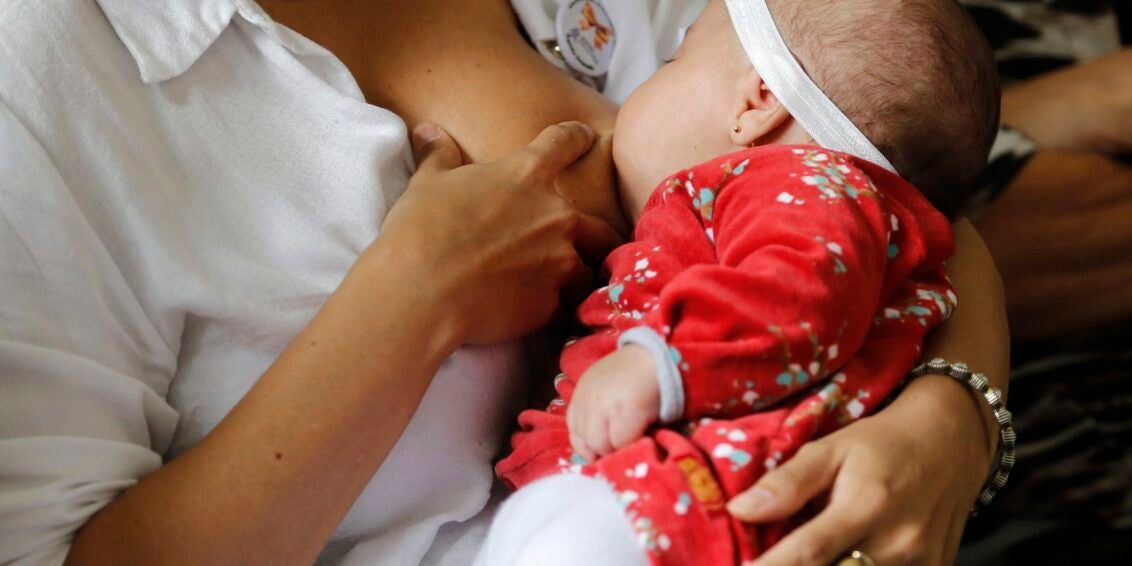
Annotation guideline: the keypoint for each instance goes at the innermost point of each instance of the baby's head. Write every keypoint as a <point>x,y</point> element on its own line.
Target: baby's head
<point>916,77</point>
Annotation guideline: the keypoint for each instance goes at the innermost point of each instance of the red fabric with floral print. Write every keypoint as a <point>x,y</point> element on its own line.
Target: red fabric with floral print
<point>794,286</point>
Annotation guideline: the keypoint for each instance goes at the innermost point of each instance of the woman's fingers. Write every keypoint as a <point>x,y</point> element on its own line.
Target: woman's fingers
<point>504,235</point>
<point>594,238</point>
<point>821,541</point>
<point>578,284</point>
<point>784,491</point>
<point>555,149</point>
<point>434,150</point>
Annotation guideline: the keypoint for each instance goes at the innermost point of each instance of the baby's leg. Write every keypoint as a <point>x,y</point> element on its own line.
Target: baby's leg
<point>562,520</point>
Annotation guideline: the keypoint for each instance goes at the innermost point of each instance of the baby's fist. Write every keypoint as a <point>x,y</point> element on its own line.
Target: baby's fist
<point>615,402</point>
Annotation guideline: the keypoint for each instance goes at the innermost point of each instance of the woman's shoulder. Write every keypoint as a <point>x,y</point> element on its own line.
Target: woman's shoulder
<point>35,35</point>
<point>57,55</point>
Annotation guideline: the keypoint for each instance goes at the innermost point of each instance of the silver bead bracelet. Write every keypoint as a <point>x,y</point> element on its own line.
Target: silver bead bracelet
<point>1000,472</point>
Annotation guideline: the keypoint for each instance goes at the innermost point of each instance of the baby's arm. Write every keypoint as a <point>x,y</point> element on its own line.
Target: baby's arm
<point>798,283</point>
<point>616,400</point>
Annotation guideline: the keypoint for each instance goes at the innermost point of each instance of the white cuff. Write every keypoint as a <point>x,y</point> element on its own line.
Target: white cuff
<point>668,376</point>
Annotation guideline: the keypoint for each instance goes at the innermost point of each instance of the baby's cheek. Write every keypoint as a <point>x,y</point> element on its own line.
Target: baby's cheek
<point>634,182</point>
<point>665,127</point>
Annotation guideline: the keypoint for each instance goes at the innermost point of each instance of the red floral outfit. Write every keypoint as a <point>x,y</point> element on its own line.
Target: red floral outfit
<point>793,287</point>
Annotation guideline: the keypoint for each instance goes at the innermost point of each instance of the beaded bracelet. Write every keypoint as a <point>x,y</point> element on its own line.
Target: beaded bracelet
<point>1000,472</point>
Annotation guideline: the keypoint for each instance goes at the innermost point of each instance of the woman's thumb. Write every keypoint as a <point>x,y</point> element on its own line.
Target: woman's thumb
<point>784,491</point>
<point>434,149</point>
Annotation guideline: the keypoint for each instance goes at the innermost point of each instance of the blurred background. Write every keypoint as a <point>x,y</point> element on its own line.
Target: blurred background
<point>1056,210</point>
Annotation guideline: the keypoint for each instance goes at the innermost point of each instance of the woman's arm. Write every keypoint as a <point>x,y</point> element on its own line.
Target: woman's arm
<point>901,483</point>
<point>274,479</point>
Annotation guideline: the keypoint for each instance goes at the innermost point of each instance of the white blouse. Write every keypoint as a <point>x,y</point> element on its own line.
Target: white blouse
<point>182,184</point>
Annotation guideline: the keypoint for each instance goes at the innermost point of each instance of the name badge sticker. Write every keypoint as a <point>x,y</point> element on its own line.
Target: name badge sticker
<point>586,36</point>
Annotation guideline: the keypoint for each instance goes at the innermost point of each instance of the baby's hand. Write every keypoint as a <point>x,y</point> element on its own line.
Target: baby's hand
<point>615,402</point>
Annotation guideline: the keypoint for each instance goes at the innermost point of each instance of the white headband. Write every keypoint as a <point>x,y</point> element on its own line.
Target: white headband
<point>789,82</point>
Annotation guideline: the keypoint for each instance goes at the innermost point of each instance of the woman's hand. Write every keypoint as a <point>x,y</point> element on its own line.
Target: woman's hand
<point>495,241</point>
<point>900,483</point>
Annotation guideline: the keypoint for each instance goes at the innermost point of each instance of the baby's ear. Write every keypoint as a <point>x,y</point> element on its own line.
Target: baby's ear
<point>760,114</point>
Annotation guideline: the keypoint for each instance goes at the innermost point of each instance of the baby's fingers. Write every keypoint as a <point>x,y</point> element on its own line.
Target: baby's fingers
<point>574,419</point>
<point>595,433</point>
<point>580,447</point>
<point>625,429</point>
<point>587,426</point>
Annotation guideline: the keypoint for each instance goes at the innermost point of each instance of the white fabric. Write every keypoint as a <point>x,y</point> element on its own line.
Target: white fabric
<point>668,376</point>
<point>161,242</point>
<point>648,31</point>
<point>785,77</point>
<point>562,520</point>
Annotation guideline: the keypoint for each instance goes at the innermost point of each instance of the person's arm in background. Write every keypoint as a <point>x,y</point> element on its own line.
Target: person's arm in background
<point>1060,231</point>
<point>1084,108</point>
<point>1062,236</point>
<point>900,483</point>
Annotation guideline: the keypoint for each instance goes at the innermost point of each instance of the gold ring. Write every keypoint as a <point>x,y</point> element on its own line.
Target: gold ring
<point>856,558</point>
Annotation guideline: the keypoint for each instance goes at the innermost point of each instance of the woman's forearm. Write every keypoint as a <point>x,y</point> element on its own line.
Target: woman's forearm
<point>275,478</point>
<point>977,333</point>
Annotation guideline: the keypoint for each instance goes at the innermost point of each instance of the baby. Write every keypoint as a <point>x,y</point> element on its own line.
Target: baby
<point>773,293</point>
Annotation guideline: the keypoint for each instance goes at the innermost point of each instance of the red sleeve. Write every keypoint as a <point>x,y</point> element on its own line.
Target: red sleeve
<point>801,270</point>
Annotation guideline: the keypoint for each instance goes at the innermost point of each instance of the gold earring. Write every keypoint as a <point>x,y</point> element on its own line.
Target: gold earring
<point>737,129</point>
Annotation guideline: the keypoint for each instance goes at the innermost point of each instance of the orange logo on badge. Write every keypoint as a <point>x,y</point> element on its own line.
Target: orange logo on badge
<point>602,33</point>
<point>703,485</point>
<point>587,36</point>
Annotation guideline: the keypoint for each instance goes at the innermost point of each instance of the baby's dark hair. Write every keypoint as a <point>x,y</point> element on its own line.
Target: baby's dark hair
<point>916,76</point>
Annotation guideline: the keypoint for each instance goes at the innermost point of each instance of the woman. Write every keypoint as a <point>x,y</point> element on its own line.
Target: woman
<point>207,235</point>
